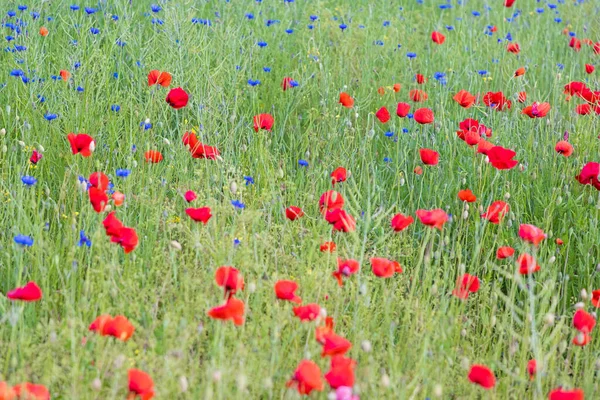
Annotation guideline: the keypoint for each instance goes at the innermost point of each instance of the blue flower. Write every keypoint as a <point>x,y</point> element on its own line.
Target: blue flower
<point>387,159</point>
<point>157,21</point>
<point>410,115</point>
<point>145,125</point>
<point>558,20</point>
<point>253,82</point>
<point>313,18</point>
<point>261,44</point>
<point>404,130</point>
<point>250,16</point>
<point>90,10</point>
<point>476,13</point>
<point>115,17</point>
<point>28,180</point>
<point>539,10</point>
<point>445,6</point>
<point>551,6</point>
<point>236,242</point>
<point>249,180</point>
<point>24,240</point>
<point>17,72</point>
<point>94,31</point>
<point>115,75</point>
<point>389,134</point>
<point>74,7</point>
<point>155,8</point>
<point>411,55</point>
<point>22,7</point>
<point>238,204</point>
<point>303,163</point>
<point>267,69</point>
<point>289,31</point>
<point>83,240</point>
<point>11,13</point>
<point>50,116</point>
<point>560,66</point>
<point>310,26</point>
<point>80,89</point>
<point>379,42</point>
<point>115,108</point>
<point>386,23</point>
<point>123,173</point>
<point>343,26</point>
<point>9,38</point>
<point>482,72</point>
<point>572,34</point>
<point>77,65</point>
<point>41,98</point>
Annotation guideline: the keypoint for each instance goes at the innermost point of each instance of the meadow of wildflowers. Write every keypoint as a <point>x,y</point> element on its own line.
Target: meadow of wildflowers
<point>276,199</point>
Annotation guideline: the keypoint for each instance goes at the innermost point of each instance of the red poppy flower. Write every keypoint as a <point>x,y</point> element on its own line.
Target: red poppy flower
<point>232,310</point>
<point>531,234</point>
<point>263,121</point>
<point>30,292</point>
<point>36,156</point>
<point>383,115</point>
<point>190,196</point>
<point>496,100</point>
<point>467,195</point>
<point>435,218</point>
<point>465,285</point>
<point>527,264</point>
<point>308,312</point>
<point>338,175</point>
<point>536,110</point>
<point>293,213</point>
<point>482,376</point>
<point>583,109</point>
<point>582,339</point>
<point>560,394</point>
<point>335,345</point>
<point>596,298</point>
<point>341,220</point>
<point>589,175</point>
<point>99,180</point>
<point>384,268</point>
<point>429,157</point>
<point>99,323</point>
<point>324,330</point>
<point>464,99</point>
<point>230,279</point>
<point>127,238</point>
<point>198,149</point>
<point>140,384</point>
<point>345,268</point>
<point>327,247</point>
<point>420,79</point>
<point>519,72</point>
<point>402,110</point>
<point>563,147</point>
<point>513,48</point>
<point>81,143</point>
<point>589,68</point>
<point>508,3</point>
<point>400,222</point>
<point>583,321</point>
<point>202,214</point>
<point>98,199</point>
<point>177,98</point>
<point>118,327</point>
<point>346,100</point>
<point>112,225</point>
<point>341,372</point>
<point>396,87</point>
<point>423,116</point>
<point>483,146</point>
<point>155,77</point>
<point>522,97</point>
<point>531,368</point>
<point>286,290</point>
<point>575,44</point>
<point>306,378</point>
<point>44,31</point>
<point>381,90</point>
<point>437,37</point>
<point>153,156</point>
<point>501,158</point>
<point>30,391</point>
<point>6,392</point>
<point>417,95</point>
<point>64,75</point>
<point>331,200</point>
<point>418,170</point>
<point>504,252</point>
<point>496,212</point>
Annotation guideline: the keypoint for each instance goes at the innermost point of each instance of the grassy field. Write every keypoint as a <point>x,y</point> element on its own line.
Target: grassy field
<point>412,338</point>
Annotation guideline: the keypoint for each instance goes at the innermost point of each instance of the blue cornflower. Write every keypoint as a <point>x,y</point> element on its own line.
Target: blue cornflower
<point>155,8</point>
<point>303,163</point>
<point>389,134</point>
<point>90,10</point>
<point>123,173</point>
<point>50,117</point>
<point>253,82</point>
<point>310,26</point>
<point>74,7</point>
<point>387,159</point>
<point>146,125</point>
<point>289,31</point>
<point>386,23</point>
<point>267,69</point>
<point>80,89</point>
<point>23,240</point>
<point>22,7</point>
<point>94,31</point>
<point>411,54</point>
<point>343,26</point>
<point>115,108</point>
<point>236,242</point>
<point>11,13</point>
<point>250,16</point>
<point>83,240</point>
<point>17,72</point>
<point>238,204</point>
<point>261,44</point>
<point>249,180</point>
<point>28,180</point>
<point>482,72</point>
<point>476,13</point>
